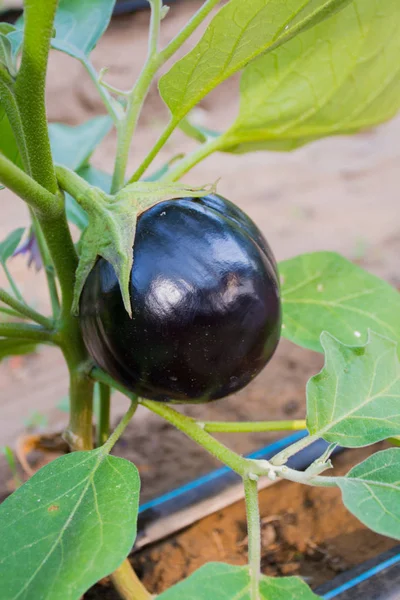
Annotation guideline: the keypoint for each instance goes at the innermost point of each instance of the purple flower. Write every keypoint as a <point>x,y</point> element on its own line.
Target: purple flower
<point>31,248</point>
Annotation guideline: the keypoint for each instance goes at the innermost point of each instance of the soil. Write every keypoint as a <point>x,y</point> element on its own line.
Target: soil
<point>337,194</point>
<point>305,531</point>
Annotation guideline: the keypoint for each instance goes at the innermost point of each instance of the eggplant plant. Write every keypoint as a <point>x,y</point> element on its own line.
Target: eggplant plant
<point>172,294</point>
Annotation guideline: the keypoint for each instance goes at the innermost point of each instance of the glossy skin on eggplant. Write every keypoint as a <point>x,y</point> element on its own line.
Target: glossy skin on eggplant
<point>205,302</point>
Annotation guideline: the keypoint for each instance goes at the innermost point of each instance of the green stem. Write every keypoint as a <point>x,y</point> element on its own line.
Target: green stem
<point>282,457</point>
<point>127,583</point>
<point>25,310</point>
<point>12,283</point>
<point>79,433</point>
<point>254,535</point>
<point>164,137</point>
<point>116,434</point>
<point>104,94</point>
<point>71,182</point>
<point>249,426</point>
<point>25,331</point>
<point>197,434</point>
<point>48,265</point>
<point>192,159</point>
<point>188,29</point>
<point>126,128</point>
<point>103,420</point>
<point>10,312</point>
<point>30,88</point>
<point>34,194</point>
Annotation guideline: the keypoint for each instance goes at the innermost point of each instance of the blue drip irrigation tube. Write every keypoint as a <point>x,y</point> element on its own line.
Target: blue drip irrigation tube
<point>376,579</point>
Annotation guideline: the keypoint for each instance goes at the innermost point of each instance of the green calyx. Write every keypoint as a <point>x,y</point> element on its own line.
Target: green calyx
<point>110,233</point>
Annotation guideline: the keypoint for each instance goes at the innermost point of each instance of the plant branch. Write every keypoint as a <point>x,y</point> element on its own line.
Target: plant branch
<point>30,89</point>
<point>195,157</point>
<point>282,457</point>
<point>34,194</point>
<point>253,534</point>
<point>106,97</point>
<point>136,98</point>
<point>127,583</point>
<point>164,137</point>
<point>12,283</point>
<point>25,310</point>
<point>251,426</point>
<point>116,434</point>
<point>245,467</point>
<point>25,331</point>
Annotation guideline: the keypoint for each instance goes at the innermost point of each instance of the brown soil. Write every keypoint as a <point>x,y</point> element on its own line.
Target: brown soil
<point>305,531</point>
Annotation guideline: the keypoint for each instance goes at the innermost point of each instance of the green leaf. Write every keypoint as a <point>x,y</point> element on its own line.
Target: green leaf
<point>241,31</point>
<point>227,582</point>
<point>112,226</point>
<point>71,524</point>
<point>6,56</point>
<point>371,491</point>
<point>338,77</point>
<point>10,244</point>
<point>73,146</point>
<point>13,347</point>
<point>324,291</point>
<point>355,400</point>
<point>79,25</point>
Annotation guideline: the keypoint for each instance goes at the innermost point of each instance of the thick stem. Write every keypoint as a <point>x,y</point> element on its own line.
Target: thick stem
<point>137,97</point>
<point>79,434</point>
<point>30,88</point>
<point>103,417</point>
<point>47,264</point>
<point>253,535</point>
<point>25,331</point>
<point>34,194</point>
<point>25,310</point>
<point>127,583</point>
<point>249,426</point>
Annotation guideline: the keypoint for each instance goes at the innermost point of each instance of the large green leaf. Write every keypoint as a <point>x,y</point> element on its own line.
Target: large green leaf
<point>241,31</point>
<point>341,76</point>
<point>67,527</point>
<point>355,400</point>
<point>323,291</point>
<point>10,244</point>
<point>72,146</point>
<point>371,491</point>
<point>79,25</point>
<point>227,582</point>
